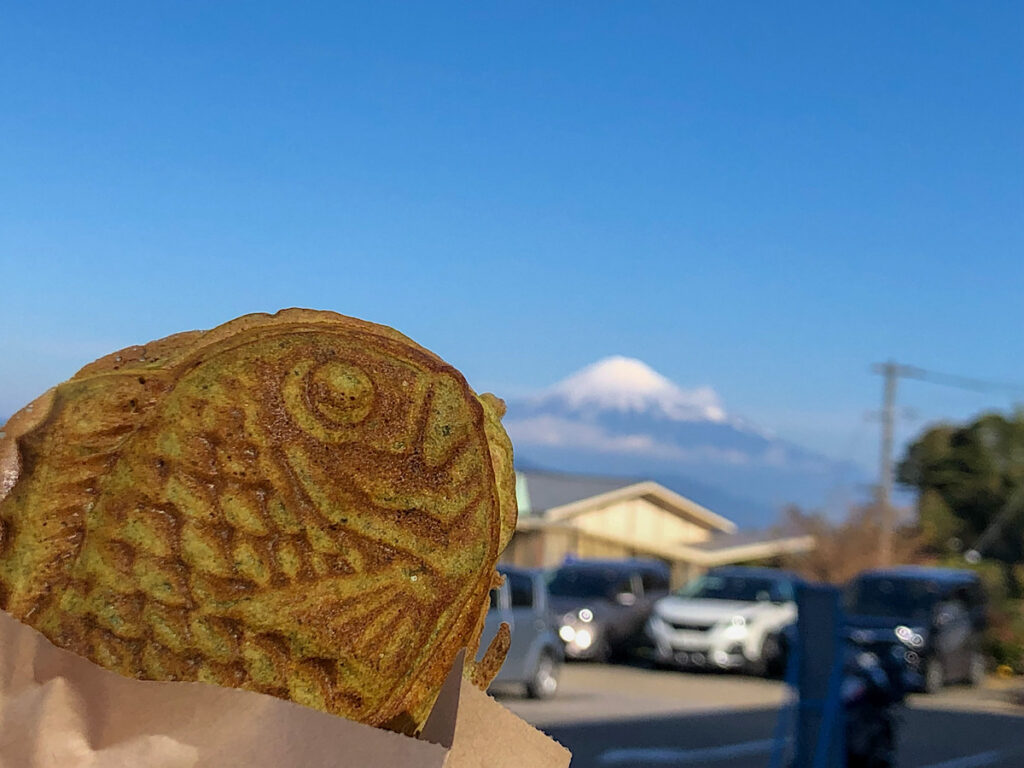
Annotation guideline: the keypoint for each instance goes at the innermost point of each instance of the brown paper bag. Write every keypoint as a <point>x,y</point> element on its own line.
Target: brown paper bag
<point>58,710</point>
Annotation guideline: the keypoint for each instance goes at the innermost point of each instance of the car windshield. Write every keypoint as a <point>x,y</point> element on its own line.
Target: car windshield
<point>584,582</point>
<point>747,589</point>
<point>892,598</point>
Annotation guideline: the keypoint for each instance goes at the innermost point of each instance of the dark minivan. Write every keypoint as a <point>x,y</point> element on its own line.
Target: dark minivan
<point>603,605</point>
<point>933,617</point>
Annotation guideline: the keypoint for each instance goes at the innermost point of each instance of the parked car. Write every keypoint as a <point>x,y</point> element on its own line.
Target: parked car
<point>535,655</point>
<point>729,618</point>
<point>603,604</point>
<point>933,617</point>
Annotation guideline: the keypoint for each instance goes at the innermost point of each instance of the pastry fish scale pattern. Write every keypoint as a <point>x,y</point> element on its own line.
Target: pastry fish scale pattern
<point>275,522</point>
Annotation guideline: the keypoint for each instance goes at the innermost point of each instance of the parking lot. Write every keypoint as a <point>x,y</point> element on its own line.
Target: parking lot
<point>627,716</point>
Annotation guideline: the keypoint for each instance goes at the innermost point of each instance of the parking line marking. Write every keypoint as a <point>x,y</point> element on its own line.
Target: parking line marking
<point>979,760</point>
<point>668,756</point>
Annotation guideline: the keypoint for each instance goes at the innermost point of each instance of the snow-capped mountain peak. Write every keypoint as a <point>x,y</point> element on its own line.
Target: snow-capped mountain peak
<point>627,384</point>
<point>620,417</point>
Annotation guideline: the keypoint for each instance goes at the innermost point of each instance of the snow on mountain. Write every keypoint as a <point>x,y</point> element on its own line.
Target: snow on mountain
<point>627,384</point>
<point>620,416</point>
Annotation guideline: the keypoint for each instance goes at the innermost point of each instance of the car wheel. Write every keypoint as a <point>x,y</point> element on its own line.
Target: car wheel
<point>763,666</point>
<point>544,683</point>
<point>756,668</point>
<point>978,671</point>
<point>602,653</point>
<point>618,654</point>
<point>775,656</point>
<point>934,676</point>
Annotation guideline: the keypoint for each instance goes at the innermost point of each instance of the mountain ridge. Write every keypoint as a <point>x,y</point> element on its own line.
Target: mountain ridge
<point>620,416</point>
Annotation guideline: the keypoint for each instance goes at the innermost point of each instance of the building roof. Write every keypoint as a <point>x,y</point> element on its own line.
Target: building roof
<point>723,549</point>
<point>553,496</point>
<point>550,500</point>
<point>539,491</point>
<point>722,541</point>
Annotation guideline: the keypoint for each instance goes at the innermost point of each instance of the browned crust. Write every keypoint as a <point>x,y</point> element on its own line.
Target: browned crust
<point>20,424</point>
<point>488,667</point>
<point>180,351</point>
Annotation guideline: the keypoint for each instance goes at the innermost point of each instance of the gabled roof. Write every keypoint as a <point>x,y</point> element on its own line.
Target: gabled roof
<point>550,501</point>
<point>692,553</point>
<point>751,545</point>
<point>557,497</point>
<point>721,541</point>
<point>538,491</point>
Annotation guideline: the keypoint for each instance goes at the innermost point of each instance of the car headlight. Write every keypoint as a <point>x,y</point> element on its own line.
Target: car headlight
<point>567,633</point>
<point>910,637</point>
<point>586,615</point>
<point>584,639</point>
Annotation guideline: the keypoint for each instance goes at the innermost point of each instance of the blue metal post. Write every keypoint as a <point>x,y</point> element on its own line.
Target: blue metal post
<point>820,729</point>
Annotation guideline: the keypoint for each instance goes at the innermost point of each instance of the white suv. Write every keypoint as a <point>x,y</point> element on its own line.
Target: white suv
<point>729,618</point>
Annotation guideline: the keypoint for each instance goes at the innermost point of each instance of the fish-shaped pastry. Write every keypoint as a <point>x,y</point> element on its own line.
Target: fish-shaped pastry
<point>302,504</point>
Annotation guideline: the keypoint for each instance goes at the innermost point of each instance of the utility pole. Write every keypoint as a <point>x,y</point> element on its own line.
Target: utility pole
<point>891,372</point>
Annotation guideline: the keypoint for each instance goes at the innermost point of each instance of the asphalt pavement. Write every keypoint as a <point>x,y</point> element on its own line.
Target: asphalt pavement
<point>639,718</point>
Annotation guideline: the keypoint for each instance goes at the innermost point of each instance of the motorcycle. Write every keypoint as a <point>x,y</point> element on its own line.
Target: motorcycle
<point>862,691</point>
<point>873,689</point>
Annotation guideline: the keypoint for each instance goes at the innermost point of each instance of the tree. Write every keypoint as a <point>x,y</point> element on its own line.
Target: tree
<point>966,476</point>
<point>845,547</point>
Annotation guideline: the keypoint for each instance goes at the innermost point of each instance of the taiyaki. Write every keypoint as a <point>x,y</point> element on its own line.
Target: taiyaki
<point>302,504</point>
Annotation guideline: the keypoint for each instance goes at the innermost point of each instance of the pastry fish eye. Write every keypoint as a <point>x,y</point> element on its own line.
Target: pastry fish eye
<point>339,392</point>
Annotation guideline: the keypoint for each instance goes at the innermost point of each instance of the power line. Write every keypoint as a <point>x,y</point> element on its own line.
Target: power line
<point>959,382</point>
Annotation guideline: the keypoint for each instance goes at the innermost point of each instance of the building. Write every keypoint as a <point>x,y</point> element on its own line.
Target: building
<point>587,516</point>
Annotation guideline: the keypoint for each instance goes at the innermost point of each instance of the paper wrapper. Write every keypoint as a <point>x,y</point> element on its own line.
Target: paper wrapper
<point>58,710</point>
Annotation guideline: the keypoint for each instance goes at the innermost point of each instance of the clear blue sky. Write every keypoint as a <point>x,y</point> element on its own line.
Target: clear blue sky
<point>762,197</point>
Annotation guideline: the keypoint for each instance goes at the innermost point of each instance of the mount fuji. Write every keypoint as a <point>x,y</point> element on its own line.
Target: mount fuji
<point>619,416</point>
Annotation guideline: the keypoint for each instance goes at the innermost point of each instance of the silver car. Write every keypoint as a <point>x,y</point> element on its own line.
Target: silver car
<point>730,618</point>
<point>535,655</point>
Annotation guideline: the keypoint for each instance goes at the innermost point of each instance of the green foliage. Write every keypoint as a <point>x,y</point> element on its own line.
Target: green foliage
<point>992,574</point>
<point>941,530</point>
<point>966,476</point>
<point>1005,640</point>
